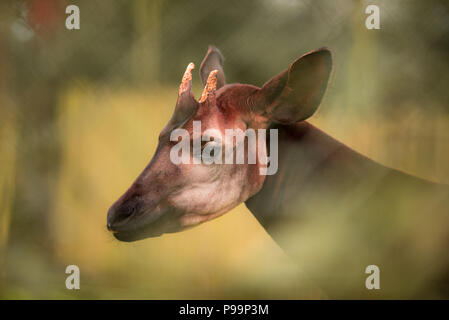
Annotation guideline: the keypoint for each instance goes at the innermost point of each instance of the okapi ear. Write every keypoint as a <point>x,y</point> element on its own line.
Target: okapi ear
<point>212,61</point>
<point>295,94</point>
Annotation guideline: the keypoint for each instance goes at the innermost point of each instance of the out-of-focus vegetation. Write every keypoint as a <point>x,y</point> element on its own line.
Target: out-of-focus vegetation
<point>80,112</point>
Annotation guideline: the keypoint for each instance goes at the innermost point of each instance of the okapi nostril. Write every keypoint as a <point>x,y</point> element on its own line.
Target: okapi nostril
<point>119,213</point>
<point>114,219</point>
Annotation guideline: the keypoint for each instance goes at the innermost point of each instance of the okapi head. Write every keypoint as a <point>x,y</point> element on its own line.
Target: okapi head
<point>169,196</point>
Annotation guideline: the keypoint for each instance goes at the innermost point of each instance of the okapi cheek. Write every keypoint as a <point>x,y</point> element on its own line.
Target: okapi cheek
<point>210,197</point>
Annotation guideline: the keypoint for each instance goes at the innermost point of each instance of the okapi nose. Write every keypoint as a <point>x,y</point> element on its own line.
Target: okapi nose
<point>111,218</point>
<point>118,214</point>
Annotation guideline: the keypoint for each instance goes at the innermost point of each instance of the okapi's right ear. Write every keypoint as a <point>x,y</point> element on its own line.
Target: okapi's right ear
<point>212,61</point>
<point>295,94</point>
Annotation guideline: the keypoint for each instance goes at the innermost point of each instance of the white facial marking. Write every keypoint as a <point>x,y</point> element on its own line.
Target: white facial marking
<point>209,198</point>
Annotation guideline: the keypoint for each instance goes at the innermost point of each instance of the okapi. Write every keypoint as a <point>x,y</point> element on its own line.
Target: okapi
<point>387,217</point>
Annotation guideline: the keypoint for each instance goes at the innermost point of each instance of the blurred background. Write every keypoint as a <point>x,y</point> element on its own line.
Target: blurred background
<point>80,112</point>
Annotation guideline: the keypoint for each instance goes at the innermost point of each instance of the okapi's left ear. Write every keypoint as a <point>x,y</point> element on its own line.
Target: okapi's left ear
<point>212,61</point>
<point>295,94</point>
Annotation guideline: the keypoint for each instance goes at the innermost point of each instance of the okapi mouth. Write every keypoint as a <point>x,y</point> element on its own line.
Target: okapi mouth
<point>131,236</point>
<point>165,222</point>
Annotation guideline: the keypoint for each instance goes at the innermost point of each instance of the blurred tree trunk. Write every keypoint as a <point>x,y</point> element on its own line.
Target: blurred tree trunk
<point>364,53</point>
<point>147,45</point>
<point>8,140</point>
<point>34,87</point>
